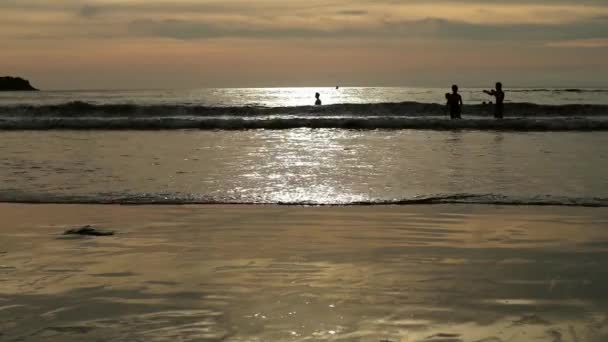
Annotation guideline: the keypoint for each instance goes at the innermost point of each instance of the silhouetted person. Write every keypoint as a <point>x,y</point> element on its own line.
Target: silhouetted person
<point>454,103</point>
<point>500,99</point>
<point>318,97</point>
<point>447,103</point>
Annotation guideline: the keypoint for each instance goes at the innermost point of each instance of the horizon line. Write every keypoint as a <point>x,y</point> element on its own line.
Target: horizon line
<point>553,87</point>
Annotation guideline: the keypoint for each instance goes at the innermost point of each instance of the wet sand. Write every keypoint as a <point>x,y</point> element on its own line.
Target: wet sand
<point>270,273</point>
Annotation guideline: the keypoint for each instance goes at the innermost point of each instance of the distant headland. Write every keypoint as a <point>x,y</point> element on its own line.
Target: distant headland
<point>8,83</point>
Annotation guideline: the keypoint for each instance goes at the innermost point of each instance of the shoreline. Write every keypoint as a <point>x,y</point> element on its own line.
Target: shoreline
<point>508,124</point>
<point>310,205</point>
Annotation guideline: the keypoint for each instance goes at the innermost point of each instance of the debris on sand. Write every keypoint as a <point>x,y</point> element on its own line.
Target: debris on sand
<point>88,230</point>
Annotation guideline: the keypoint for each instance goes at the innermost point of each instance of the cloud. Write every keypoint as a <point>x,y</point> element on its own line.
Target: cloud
<point>519,20</point>
<point>352,12</point>
<point>384,40</point>
<point>488,11</point>
<point>522,21</point>
<point>580,43</point>
<point>88,11</point>
<point>428,28</point>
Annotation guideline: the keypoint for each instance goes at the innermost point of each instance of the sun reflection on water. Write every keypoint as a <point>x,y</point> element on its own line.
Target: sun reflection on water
<point>299,167</point>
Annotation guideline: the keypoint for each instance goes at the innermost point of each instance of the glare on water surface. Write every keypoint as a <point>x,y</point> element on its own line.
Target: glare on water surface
<point>295,96</point>
<point>298,164</point>
<point>325,166</point>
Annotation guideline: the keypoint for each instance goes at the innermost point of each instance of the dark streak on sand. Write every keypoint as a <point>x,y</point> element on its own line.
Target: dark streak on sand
<point>88,230</point>
<point>114,275</point>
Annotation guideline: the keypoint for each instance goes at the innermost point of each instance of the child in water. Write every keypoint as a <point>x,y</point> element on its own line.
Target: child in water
<point>318,97</point>
<point>454,103</point>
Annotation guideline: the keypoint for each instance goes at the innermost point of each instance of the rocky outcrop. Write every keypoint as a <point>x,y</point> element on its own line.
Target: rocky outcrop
<point>9,83</point>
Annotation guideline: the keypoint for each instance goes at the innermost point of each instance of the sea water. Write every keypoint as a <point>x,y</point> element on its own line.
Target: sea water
<point>286,97</point>
<point>482,272</point>
<point>305,166</point>
<point>270,146</point>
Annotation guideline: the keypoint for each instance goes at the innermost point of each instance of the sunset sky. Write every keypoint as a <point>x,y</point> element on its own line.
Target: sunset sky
<point>69,44</point>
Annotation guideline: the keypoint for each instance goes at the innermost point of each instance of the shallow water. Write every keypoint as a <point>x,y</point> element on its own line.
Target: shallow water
<point>323,166</point>
<point>285,108</point>
<point>245,273</point>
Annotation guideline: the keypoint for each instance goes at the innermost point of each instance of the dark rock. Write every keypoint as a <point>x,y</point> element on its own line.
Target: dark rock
<point>88,230</point>
<point>9,83</point>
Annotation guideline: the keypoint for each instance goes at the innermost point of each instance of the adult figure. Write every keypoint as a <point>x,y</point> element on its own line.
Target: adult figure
<point>454,103</point>
<point>499,94</point>
<point>318,101</point>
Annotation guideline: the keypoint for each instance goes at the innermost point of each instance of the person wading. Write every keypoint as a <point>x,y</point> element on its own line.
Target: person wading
<point>500,99</point>
<point>454,103</point>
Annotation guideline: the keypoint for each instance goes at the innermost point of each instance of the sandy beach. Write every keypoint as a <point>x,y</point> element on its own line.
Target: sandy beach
<point>273,273</point>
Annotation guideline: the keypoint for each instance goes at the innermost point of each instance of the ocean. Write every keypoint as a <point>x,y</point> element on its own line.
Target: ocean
<point>304,166</point>
<point>263,146</point>
<point>287,108</point>
<point>290,97</point>
<point>250,215</point>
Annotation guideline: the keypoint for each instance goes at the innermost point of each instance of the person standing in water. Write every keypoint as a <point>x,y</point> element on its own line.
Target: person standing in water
<point>318,97</point>
<point>500,98</point>
<point>454,103</point>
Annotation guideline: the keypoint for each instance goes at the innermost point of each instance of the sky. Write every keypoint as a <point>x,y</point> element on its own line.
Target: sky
<point>122,44</point>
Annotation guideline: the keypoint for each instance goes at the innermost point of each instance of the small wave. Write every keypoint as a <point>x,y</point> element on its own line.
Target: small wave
<point>413,109</point>
<point>181,199</point>
<point>493,199</point>
<point>290,122</point>
<point>554,90</point>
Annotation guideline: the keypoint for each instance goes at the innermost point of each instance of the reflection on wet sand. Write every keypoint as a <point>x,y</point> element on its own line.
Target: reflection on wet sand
<point>242,273</point>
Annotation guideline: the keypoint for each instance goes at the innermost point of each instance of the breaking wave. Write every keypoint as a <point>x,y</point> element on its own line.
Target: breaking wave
<point>405,115</point>
<point>181,199</point>
<point>83,109</point>
<point>558,90</point>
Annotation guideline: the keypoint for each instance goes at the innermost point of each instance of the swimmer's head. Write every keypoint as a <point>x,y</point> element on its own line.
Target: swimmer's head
<point>498,86</point>
<point>454,88</point>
